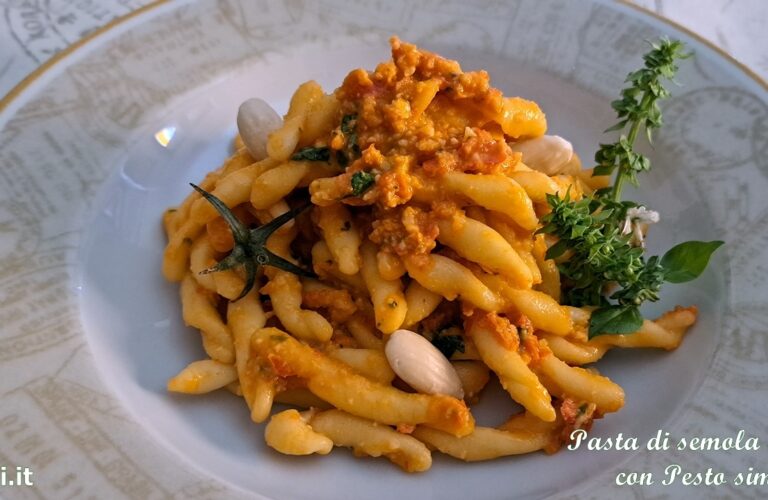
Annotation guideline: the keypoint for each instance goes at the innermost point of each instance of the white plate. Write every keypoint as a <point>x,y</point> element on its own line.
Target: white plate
<point>91,332</point>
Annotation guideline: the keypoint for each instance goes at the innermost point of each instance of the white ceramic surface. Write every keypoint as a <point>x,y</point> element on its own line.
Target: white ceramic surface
<point>88,181</point>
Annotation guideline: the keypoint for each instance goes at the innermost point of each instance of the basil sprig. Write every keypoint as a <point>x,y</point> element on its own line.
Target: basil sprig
<point>682,263</point>
<point>595,255</point>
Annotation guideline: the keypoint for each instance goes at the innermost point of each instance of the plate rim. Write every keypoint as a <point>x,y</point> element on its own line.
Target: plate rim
<point>26,87</point>
<point>151,8</point>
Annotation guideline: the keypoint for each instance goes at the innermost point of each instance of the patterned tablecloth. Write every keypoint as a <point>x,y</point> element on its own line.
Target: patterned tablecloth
<point>34,30</point>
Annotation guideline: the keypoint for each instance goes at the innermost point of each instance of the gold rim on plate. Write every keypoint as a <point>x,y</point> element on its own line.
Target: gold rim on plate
<point>58,57</point>
<point>19,88</point>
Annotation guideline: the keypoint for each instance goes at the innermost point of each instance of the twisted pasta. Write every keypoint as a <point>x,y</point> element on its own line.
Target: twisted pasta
<point>422,217</point>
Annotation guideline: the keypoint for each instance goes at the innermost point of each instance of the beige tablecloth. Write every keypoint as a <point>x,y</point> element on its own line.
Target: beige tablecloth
<point>34,30</point>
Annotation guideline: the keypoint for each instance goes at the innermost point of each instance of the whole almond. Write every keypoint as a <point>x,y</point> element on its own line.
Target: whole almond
<point>421,365</point>
<point>255,120</point>
<point>549,154</point>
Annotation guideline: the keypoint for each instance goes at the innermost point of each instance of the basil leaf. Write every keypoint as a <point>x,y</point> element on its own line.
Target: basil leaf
<point>362,182</point>
<point>556,250</point>
<point>686,261</point>
<point>448,344</point>
<point>615,320</point>
<point>603,170</point>
<point>347,124</point>
<point>312,154</point>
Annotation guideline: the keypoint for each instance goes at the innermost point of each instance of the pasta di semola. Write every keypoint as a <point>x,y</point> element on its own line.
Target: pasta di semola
<point>425,188</point>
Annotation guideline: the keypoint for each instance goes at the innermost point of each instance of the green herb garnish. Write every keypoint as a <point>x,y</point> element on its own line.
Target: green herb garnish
<point>250,248</point>
<point>312,154</point>
<point>596,251</point>
<point>598,254</point>
<point>686,261</point>
<point>448,344</point>
<point>348,123</point>
<point>615,320</point>
<point>639,108</point>
<point>362,182</point>
<point>351,148</point>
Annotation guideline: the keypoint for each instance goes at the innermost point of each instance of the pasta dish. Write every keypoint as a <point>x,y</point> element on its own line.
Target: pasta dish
<point>374,257</point>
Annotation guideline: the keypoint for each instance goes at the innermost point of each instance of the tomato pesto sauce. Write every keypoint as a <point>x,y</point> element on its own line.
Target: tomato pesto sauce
<point>416,118</point>
<point>424,261</point>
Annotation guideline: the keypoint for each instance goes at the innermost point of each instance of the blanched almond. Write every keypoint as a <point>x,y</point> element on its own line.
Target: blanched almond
<point>421,365</point>
<point>549,153</point>
<point>255,120</point>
